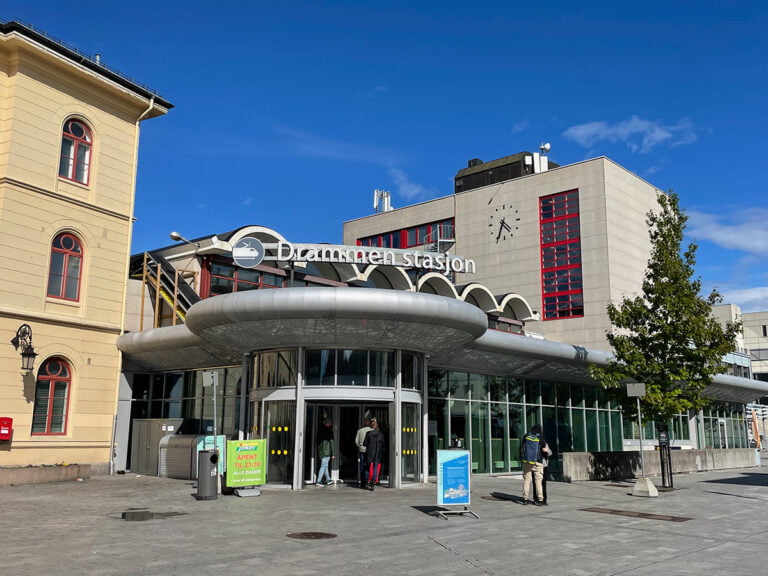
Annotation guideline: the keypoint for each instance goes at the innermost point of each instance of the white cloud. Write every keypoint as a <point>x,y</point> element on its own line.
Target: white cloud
<point>638,134</point>
<point>745,230</point>
<point>753,299</point>
<point>520,126</point>
<point>408,190</point>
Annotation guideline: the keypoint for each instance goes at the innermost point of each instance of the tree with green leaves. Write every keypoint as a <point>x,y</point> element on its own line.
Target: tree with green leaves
<point>666,337</point>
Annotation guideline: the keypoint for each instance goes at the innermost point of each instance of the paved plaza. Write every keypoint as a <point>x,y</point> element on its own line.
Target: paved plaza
<point>712,523</point>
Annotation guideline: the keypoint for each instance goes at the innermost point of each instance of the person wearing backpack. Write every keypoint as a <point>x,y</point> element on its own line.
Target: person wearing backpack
<point>533,450</point>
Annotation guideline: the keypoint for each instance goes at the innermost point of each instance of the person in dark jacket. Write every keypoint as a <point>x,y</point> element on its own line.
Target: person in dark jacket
<point>374,453</point>
<point>325,451</point>
<point>533,450</point>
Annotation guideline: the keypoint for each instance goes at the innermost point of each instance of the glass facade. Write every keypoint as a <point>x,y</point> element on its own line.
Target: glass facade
<point>489,415</point>
<point>725,426</point>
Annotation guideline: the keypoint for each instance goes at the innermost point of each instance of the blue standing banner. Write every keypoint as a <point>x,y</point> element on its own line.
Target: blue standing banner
<point>453,487</point>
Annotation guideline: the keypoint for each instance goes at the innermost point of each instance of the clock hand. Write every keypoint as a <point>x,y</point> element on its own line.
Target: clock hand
<point>505,225</point>
<point>501,227</point>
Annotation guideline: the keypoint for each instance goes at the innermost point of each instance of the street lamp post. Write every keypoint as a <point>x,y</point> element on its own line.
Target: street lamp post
<point>23,340</point>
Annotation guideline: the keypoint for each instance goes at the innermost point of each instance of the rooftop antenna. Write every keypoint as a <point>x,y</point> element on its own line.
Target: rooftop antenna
<point>545,147</point>
<point>381,201</point>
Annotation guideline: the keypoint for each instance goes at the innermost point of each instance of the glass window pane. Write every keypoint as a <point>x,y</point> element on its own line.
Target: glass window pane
<point>516,432</point>
<point>267,369</point>
<point>459,425</point>
<point>497,387</point>
<point>515,389</point>
<point>590,396</point>
<point>593,444</point>
<point>480,445</point>
<point>409,371</point>
<point>604,432</point>
<point>564,440</point>
<point>287,367</point>
<point>320,367</point>
<point>478,385</point>
<point>352,368</point>
<point>532,393</point>
<point>617,442</point>
<point>579,434</point>
<point>438,431</point>
<point>437,383</point>
<point>499,456</point>
<point>459,385</point>
<point>547,393</point>
<point>382,369</point>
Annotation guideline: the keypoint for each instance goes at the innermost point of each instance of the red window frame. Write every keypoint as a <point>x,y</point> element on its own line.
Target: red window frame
<point>66,267</point>
<point>412,236</point>
<point>76,149</point>
<point>562,293</point>
<point>238,277</point>
<point>52,392</point>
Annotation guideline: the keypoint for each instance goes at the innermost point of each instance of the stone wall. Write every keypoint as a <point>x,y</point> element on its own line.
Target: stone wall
<point>43,474</point>
<point>579,466</point>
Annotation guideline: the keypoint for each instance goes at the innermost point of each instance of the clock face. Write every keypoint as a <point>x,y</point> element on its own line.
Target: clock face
<point>503,222</point>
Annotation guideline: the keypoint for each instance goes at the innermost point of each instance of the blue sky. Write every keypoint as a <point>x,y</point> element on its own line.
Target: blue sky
<point>289,114</point>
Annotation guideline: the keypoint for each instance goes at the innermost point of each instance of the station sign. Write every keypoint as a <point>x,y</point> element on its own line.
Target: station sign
<point>250,252</point>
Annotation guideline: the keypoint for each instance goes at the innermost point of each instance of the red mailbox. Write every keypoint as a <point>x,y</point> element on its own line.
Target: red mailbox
<point>6,428</point>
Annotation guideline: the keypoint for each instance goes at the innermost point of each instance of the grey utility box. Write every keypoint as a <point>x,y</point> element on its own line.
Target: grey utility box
<point>178,456</point>
<point>145,442</point>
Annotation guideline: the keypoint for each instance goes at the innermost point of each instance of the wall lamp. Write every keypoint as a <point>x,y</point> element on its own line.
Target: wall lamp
<point>23,340</point>
<point>179,238</point>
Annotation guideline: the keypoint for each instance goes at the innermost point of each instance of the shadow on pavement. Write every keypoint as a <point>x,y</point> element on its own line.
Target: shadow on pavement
<point>744,479</point>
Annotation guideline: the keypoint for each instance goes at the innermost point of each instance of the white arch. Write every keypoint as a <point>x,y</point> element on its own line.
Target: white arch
<point>434,283</point>
<point>260,232</point>
<point>484,297</point>
<point>518,307</point>
<point>397,277</point>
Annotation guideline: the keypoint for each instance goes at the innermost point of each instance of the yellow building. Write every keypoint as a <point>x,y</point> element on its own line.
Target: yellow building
<point>69,138</point>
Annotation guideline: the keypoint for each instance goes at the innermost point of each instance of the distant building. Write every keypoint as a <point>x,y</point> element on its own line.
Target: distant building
<point>70,135</point>
<point>756,342</point>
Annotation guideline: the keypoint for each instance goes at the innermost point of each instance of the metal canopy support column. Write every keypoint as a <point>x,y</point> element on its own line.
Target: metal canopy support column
<point>396,480</point>
<point>299,427</point>
<point>424,421</point>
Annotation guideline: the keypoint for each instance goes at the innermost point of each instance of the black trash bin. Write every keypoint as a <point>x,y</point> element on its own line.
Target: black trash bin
<point>207,474</point>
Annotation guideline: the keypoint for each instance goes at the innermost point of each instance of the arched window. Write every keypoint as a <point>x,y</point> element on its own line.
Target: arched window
<point>52,398</point>
<point>66,267</point>
<point>76,142</point>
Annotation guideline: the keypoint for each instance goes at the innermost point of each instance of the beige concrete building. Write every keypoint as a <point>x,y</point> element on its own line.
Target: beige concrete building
<point>568,239</point>
<point>755,329</point>
<point>69,137</point>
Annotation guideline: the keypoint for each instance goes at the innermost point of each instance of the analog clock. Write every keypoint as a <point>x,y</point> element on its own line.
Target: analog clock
<point>503,222</point>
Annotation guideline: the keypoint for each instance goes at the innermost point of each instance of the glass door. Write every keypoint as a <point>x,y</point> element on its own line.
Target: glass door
<point>410,443</point>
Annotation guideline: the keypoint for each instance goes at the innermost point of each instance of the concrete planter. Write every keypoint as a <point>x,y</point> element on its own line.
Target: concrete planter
<point>579,466</point>
<point>43,474</point>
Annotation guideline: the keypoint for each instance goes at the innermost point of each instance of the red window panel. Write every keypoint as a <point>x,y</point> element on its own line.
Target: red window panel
<point>224,278</point>
<point>65,268</point>
<point>413,236</point>
<point>76,144</point>
<point>561,276</point>
<point>49,415</point>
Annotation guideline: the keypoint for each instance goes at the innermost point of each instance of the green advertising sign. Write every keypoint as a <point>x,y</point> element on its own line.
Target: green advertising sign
<point>246,463</point>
